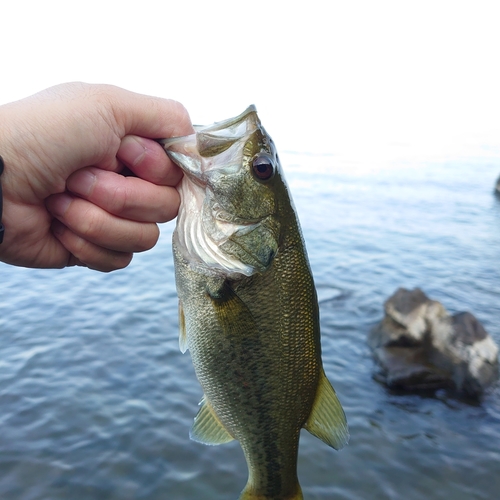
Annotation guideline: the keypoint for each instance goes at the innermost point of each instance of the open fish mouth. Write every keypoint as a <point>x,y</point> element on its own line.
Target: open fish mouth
<point>209,141</point>
<point>226,220</point>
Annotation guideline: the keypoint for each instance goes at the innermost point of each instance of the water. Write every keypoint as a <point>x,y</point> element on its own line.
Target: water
<point>96,399</point>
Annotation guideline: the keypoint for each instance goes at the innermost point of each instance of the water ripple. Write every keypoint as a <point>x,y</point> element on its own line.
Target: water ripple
<point>97,400</point>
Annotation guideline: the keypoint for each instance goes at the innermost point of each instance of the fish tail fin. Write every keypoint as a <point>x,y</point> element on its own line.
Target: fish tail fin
<point>250,494</point>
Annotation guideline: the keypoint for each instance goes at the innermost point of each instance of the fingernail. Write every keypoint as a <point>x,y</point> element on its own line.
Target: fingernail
<point>131,150</point>
<point>59,203</point>
<point>82,182</point>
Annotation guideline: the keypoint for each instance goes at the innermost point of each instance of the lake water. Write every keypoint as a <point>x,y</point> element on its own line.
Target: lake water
<point>96,400</point>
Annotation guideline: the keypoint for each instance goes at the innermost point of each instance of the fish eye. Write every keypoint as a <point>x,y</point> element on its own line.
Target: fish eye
<point>263,167</point>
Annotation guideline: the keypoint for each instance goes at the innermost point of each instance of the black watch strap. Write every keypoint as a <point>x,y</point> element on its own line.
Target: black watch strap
<point>2,229</point>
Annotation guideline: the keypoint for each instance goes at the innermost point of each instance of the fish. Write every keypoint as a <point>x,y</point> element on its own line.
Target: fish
<point>248,309</point>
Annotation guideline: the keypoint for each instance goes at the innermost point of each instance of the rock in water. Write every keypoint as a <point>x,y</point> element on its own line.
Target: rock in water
<point>420,346</point>
<point>497,187</point>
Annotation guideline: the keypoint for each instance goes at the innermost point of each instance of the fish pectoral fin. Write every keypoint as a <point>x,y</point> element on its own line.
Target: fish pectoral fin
<point>207,428</point>
<point>327,420</point>
<point>182,330</point>
<point>233,315</point>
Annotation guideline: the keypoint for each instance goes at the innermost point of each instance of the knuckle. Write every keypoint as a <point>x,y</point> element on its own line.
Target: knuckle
<point>149,234</point>
<point>118,200</point>
<point>183,124</point>
<point>91,224</point>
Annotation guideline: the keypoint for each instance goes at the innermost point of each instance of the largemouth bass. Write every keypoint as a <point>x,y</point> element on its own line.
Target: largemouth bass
<point>248,310</point>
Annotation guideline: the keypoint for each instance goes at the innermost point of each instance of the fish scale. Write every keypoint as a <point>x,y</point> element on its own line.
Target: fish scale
<point>248,312</point>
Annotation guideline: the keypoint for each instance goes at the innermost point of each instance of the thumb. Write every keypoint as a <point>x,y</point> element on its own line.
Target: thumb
<point>147,116</point>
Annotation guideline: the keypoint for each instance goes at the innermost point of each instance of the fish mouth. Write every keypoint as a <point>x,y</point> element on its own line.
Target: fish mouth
<point>194,153</point>
<point>217,234</point>
<point>230,125</point>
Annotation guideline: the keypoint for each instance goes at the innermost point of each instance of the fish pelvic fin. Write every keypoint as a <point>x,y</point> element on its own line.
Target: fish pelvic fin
<point>182,330</point>
<point>207,428</point>
<point>327,420</point>
<point>249,494</point>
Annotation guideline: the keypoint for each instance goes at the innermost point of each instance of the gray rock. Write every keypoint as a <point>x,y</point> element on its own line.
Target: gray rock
<point>418,346</point>
<point>406,320</point>
<point>497,187</point>
<point>409,368</point>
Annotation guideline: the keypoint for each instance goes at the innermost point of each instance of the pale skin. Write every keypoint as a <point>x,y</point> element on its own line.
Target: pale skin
<point>66,200</point>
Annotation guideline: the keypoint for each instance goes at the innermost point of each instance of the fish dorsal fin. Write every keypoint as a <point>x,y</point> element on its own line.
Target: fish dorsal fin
<point>327,419</point>
<point>182,330</point>
<point>207,428</point>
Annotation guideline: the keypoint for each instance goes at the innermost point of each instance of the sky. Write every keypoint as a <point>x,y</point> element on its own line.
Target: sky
<point>357,78</point>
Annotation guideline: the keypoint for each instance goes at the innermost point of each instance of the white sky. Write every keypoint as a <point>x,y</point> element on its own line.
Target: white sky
<point>326,76</point>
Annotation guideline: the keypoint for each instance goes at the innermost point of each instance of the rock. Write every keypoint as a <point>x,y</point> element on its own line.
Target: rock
<point>408,368</point>
<point>418,346</point>
<point>406,319</point>
<point>497,187</point>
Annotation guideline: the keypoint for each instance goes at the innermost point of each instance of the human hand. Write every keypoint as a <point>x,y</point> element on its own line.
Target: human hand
<point>66,200</point>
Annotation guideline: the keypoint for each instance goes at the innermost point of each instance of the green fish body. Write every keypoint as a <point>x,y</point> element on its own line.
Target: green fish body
<point>247,305</point>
